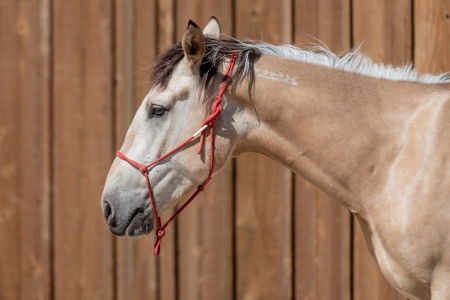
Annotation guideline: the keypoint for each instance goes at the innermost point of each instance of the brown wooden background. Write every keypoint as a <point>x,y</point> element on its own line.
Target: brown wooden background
<point>72,76</point>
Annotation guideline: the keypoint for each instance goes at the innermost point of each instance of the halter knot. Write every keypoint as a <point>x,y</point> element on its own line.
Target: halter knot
<point>143,169</point>
<point>160,233</point>
<point>217,104</point>
<point>201,187</point>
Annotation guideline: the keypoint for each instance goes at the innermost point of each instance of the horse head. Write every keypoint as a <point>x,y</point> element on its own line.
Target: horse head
<point>176,106</point>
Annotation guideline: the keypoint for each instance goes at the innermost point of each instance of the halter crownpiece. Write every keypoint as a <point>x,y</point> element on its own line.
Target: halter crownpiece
<point>209,122</point>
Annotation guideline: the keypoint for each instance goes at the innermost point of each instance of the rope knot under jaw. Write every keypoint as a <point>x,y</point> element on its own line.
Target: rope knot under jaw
<point>160,233</point>
<point>201,188</point>
<point>143,169</point>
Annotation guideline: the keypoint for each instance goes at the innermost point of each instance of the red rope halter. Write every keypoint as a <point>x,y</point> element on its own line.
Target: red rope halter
<point>216,108</point>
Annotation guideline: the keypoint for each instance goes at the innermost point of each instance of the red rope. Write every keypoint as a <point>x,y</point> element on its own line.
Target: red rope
<point>216,110</point>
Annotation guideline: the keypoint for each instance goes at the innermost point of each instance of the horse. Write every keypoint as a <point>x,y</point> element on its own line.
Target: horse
<point>373,137</point>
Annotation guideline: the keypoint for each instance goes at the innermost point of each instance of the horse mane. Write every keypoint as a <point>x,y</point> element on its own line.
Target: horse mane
<point>219,50</point>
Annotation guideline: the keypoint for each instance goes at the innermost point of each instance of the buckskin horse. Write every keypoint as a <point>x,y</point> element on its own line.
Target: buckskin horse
<point>375,138</point>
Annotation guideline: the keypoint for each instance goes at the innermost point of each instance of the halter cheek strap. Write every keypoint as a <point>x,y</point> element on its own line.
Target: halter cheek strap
<point>209,122</point>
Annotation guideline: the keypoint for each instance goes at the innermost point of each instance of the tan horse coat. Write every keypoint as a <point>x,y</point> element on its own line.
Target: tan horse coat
<point>379,147</point>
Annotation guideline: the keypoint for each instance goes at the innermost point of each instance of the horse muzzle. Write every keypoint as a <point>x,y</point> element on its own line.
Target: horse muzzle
<point>130,217</point>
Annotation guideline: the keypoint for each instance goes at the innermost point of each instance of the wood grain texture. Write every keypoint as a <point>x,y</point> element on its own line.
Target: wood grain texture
<point>269,21</point>
<point>25,241</point>
<point>83,261</point>
<point>166,24</point>
<point>124,68</point>
<point>432,36</point>
<point>322,245</point>
<point>72,76</point>
<point>385,30</point>
<point>324,21</point>
<point>322,226</point>
<point>204,230</point>
<point>263,229</point>
<point>144,280</point>
<point>200,12</point>
<point>145,32</point>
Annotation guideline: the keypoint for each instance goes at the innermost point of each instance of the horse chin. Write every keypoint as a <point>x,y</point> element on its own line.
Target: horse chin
<point>141,225</point>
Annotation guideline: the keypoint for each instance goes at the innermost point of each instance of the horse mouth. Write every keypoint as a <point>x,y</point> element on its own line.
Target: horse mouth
<point>140,224</point>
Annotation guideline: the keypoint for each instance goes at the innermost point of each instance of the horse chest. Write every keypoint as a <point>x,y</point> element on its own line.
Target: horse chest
<point>397,270</point>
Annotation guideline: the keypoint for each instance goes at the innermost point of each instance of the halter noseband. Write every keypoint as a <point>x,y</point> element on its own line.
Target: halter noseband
<point>143,168</point>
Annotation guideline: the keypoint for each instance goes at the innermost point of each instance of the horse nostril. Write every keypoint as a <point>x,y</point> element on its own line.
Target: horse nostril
<point>107,211</point>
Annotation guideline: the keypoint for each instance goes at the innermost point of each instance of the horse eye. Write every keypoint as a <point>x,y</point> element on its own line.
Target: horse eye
<point>157,111</point>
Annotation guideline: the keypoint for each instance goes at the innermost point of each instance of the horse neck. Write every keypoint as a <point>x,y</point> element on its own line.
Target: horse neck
<point>339,130</point>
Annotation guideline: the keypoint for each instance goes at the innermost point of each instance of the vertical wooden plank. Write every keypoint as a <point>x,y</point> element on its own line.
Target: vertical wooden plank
<point>144,282</point>
<point>166,24</point>
<point>83,260</point>
<point>124,68</point>
<point>145,39</point>
<point>322,226</point>
<point>263,203</point>
<point>24,150</point>
<point>432,36</point>
<point>135,35</point>
<point>385,29</point>
<point>9,160</point>
<point>200,12</point>
<point>327,21</point>
<point>269,21</point>
<point>322,249</point>
<point>263,229</point>
<point>205,245</point>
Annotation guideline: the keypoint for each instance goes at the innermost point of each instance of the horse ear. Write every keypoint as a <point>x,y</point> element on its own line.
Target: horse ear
<point>213,28</point>
<point>193,44</point>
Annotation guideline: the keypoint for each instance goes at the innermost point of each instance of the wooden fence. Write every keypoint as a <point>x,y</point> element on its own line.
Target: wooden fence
<point>72,76</point>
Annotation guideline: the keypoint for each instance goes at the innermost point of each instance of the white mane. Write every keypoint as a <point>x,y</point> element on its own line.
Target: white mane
<point>353,61</point>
